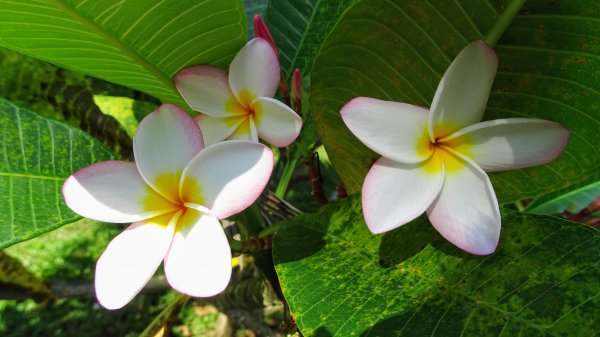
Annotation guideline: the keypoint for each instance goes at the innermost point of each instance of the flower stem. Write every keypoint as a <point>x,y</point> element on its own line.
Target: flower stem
<point>504,21</point>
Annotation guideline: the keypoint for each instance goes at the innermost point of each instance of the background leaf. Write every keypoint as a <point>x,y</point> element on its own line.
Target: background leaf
<point>61,95</point>
<point>398,50</point>
<point>14,277</point>
<point>138,44</point>
<point>341,280</point>
<point>38,155</point>
<point>299,27</point>
<point>254,7</point>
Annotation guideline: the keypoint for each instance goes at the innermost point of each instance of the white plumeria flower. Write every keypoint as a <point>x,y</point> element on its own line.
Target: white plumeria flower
<point>175,193</point>
<point>241,105</point>
<point>435,160</point>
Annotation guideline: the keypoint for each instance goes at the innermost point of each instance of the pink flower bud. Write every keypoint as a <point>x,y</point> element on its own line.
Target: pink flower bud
<point>297,85</point>
<point>261,30</point>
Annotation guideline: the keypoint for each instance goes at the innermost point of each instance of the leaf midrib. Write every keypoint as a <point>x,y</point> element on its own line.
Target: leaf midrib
<point>32,176</point>
<point>126,49</point>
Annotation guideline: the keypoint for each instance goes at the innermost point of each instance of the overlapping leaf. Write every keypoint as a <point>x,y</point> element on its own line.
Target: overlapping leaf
<point>341,280</point>
<point>37,156</point>
<point>138,44</point>
<point>398,50</point>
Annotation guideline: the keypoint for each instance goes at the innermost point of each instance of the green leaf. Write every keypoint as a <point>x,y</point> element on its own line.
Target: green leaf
<point>571,198</point>
<point>37,156</point>
<point>299,27</point>
<point>398,50</point>
<point>138,44</point>
<point>61,95</point>
<point>341,280</point>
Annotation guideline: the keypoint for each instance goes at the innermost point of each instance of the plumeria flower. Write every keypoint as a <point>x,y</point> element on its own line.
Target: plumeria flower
<point>240,105</point>
<point>435,160</point>
<point>174,195</point>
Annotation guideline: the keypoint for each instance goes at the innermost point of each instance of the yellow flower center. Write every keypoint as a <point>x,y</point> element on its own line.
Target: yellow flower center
<point>440,151</point>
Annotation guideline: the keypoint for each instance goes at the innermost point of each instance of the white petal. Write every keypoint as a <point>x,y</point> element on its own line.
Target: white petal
<point>217,129</point>
<point>113,191</point>
<point>246,131</point>
<point>393,193</point>
<point>199,261</point>
<point>227,177</point>
<point>163,144</point>
<point>206,89</point>
<point>254,72</point>
<point>276,123</point>
<point>466,211</point>
<point>394,130</point>
<point>506,144</point>
<point>462,94</point>
<point>131,259</point>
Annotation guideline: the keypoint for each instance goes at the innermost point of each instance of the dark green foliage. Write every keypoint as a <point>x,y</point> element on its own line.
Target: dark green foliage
<point>341,280</point>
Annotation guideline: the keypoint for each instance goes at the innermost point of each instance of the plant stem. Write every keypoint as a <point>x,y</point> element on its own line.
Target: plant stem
<point>315,180</point>
<point>286,176</point>
<point>504,21</point>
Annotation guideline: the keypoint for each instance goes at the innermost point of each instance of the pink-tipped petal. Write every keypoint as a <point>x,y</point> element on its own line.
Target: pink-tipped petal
<point>275,122</point>
<point>466,210</point>
<point>246,131</point>
<point>131,259</point>
<point>462,94</point>
<point>216,129</point>
<point>394,130</point>
<point>206,89</point>
<point>229,175</point>
<point>393,193</point>
<point>254,72</point>
<point>163,144</point>
<point>113,191</point>
<point>199,260</point>
<point>506,144</point>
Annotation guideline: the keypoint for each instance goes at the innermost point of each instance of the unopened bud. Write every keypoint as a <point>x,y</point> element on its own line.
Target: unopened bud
<point>261,30</point>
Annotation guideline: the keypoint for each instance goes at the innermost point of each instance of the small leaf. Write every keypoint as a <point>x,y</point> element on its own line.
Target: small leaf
<point>341,280</point>
<point>138,44</point>
<point>398,51</point>
<point>572,198</point>
<point>37,156</point>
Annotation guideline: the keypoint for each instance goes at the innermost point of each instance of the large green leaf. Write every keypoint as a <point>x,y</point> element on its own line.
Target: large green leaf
<point>139,44</point>
<point>299,27</point>
<point>398,50</point>
<point>341,280</point>
<point>37,155</point>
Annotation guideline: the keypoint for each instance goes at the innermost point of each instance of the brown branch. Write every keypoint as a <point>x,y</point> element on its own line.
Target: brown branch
<point>315,180</point>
